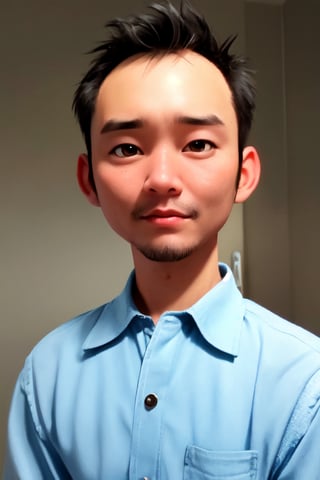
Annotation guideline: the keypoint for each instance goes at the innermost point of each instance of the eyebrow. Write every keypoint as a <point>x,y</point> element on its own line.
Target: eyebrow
<point>210,120</point>
<point>114,125</point>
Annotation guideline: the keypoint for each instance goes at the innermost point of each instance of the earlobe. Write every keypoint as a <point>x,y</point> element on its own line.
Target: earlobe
<point>249,175</point>
<point>84,180</point>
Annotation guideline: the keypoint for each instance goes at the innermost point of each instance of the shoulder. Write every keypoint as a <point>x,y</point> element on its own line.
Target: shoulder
<point>273,328</point>
<point>287,356</point>
<point>53,363</point>
<point>65,341</point>
<point>286,361</point>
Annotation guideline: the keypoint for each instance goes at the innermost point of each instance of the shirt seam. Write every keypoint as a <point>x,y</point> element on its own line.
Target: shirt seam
<point>309,343</point>
<point>27,386</point>
<point>301,418</point>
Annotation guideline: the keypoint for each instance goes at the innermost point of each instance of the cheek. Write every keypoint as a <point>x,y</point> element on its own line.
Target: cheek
<point>117,193</point>
<point>115,209</point>
<point>217,186</point>
<point>111,182</point>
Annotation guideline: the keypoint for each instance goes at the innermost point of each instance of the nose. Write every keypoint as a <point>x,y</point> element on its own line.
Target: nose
<point>163,173</point>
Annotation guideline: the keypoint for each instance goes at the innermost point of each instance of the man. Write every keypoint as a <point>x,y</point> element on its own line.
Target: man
<point>179,377</point>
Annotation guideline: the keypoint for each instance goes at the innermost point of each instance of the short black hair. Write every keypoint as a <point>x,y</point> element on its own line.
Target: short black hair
<point>165,29</point>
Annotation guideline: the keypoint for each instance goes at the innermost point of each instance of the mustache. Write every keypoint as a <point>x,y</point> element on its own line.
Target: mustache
<point>145,208</point>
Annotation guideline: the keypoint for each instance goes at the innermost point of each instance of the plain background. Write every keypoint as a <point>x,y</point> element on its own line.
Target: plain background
<point>58,257</point>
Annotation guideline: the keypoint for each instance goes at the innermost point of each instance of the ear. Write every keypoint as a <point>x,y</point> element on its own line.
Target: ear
<point>249,174</point>
<point>84,181</point>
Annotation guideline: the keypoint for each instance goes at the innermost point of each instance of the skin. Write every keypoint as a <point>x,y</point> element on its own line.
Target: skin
<point>165,162</point>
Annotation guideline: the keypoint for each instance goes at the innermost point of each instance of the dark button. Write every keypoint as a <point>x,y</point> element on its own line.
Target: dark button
<point>150,401</point>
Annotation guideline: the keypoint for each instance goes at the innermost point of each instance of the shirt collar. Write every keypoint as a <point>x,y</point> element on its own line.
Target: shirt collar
<point>218,315</point>
<point>113,319</point>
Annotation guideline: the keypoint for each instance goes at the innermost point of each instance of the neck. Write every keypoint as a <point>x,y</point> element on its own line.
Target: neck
<point>164,286</point>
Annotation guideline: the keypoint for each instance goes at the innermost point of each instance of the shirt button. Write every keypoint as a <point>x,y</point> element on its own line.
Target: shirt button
<point>150,401</point>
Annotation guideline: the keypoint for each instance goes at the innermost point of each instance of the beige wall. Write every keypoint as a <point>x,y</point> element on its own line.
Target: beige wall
<point>58,257</point>
<point>282,221</point>
<point>266,214</point>
<point>302,67</point>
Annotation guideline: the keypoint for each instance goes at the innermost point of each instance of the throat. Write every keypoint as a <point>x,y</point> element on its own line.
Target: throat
<point>165,287</point>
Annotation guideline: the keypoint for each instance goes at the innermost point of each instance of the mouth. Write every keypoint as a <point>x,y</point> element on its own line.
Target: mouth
<point>165,218</point>
<point>159,213</point>
<point>164,215</point>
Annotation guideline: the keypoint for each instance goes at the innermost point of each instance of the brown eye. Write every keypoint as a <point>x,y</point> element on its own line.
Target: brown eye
<point>199,146</point>
<point>126,150</point>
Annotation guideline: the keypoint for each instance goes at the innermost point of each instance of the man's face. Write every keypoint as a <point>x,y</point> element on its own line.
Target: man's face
<point>165,153</point>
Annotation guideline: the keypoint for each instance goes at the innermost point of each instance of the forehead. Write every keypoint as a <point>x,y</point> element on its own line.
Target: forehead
<point>177,83</point>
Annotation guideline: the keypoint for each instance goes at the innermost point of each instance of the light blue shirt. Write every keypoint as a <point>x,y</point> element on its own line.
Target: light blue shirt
<point>223,390</point>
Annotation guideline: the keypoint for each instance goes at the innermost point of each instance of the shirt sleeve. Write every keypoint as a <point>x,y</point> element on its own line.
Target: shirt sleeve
<point>299,454</point>
<point>29,455</point>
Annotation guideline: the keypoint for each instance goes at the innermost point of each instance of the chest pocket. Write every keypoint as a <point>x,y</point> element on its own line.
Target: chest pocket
<point>200,464</point>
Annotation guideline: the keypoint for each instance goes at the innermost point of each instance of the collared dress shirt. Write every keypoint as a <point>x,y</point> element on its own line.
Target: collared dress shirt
<point>223,390</point>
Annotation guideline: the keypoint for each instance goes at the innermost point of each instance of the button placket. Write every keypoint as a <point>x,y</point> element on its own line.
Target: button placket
<point>153,382</point>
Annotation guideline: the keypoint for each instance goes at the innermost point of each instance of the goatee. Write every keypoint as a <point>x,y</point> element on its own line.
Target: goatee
<point>165,254</point>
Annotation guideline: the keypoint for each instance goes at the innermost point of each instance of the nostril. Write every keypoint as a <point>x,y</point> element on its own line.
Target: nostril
<point>163,190</point>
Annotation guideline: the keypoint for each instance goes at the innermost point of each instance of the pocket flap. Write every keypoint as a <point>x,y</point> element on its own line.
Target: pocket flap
<point>220,465</point>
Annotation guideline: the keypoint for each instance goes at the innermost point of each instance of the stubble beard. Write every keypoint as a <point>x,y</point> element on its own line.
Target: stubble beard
<point>165,254</point>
